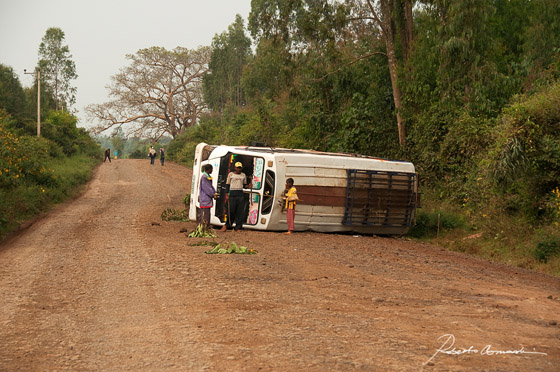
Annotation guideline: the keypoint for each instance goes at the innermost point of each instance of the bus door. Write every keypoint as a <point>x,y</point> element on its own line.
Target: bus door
<point>253,168</point>
<point>255,195</point>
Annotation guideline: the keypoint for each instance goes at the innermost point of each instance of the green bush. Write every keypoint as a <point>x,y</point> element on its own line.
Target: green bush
<point>139,153</point>
<point>23,158</point>
<point>59,181</point>
<point>429,223</point>
<point>69,173</point>
<point>19,204</point>
<point>546,249</point>
<point>525,160</point>
<point>61,128</point>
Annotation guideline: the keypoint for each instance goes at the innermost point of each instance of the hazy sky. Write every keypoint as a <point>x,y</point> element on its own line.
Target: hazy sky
<point>100,33</point>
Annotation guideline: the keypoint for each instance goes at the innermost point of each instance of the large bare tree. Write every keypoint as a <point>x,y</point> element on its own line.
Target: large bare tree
<point>159,93</point>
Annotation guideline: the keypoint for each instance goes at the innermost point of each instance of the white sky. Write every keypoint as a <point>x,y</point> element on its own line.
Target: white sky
<point>99,33</point>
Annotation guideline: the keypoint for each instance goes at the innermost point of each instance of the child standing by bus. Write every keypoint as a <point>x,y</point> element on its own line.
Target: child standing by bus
<point>291,198</point>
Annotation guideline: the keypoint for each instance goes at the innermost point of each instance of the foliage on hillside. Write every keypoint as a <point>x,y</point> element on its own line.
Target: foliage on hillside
<point>36,172</point>
<point>479,83</point>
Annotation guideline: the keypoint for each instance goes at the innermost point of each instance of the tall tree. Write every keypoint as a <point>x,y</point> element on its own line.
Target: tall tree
<point>57,67</point>
<point>385,15</point>
<point>230,53</point>
<point>159,92</point>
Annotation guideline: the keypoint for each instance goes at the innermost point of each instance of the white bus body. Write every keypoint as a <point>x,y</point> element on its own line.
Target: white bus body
<point>337,192</point>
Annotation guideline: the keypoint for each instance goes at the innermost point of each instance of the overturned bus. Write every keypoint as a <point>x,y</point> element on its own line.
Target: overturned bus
<point>337,192</point>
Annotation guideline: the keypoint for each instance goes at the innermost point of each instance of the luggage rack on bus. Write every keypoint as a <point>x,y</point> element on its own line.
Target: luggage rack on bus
<point>379,198</point>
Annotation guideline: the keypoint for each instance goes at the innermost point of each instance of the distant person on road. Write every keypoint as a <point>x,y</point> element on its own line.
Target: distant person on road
<point>152,155</point>
<point>235,183</point>
<point>116,153</point>
<point>206,195</point>
<point>290,194</point>
<point>161,155</point>
<point>107,155</point>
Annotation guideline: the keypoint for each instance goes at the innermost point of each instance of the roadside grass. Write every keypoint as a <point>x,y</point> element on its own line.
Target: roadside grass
<point>25,201</point>
<point>71,173</point>
<point>501,238</point>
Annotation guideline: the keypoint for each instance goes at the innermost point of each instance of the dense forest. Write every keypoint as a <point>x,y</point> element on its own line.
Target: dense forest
<point>468,90</point>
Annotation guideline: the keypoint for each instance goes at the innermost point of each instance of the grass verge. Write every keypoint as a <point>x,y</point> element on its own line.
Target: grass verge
<point>503,238</point>
<point>25,201</point>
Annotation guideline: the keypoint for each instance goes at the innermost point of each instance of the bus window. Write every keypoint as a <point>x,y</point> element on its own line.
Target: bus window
<point>206,151</point>
<point>258,167</point>
<point>268,196</point>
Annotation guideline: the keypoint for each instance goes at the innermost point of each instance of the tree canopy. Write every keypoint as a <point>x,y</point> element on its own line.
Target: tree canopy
<point>231,51</point>
<point>57,68</point>
<point>12,95</point>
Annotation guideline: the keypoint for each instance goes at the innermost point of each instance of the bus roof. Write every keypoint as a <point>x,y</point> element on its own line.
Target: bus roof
<point>280,150</point>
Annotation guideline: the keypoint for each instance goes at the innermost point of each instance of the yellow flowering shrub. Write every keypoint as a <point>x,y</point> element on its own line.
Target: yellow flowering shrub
<point>23,159</point>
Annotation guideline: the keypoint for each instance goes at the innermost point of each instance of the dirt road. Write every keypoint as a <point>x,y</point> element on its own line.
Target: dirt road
<point>95,286</point>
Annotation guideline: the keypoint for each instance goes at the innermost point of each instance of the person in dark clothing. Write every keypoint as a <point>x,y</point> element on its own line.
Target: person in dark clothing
<point>161,155</point>
<point>107,155</point>
<point>235,183</point>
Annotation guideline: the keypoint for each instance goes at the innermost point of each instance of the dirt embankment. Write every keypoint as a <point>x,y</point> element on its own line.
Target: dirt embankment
<point>95,286</point>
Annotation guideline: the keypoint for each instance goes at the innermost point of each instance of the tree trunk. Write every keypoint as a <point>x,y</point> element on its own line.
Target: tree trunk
<point>409,26</point>
<point>396,91</point>
<point>389,33</point>
<point>56,92</point>
<point>405,27</point>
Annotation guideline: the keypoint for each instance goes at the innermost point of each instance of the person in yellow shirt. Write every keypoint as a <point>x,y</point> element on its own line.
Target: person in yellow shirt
<point>291,200</point>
